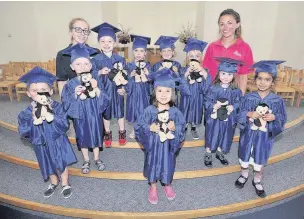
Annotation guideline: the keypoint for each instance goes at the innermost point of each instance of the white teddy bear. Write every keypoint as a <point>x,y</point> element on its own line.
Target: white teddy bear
<point>43,111</point>
<point>260,124</point>
<point>163,120</point>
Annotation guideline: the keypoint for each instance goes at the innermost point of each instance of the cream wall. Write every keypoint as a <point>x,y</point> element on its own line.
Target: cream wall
<point>39,29</point>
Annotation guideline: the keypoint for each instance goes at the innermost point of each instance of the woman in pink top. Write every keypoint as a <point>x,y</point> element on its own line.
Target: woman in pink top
<point>230,45</point>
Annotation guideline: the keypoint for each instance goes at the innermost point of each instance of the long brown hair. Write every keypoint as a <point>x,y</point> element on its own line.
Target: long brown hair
<point>236,16</point>
<point>154,102</point>
<point>73,21</point>
<point>233,83</point>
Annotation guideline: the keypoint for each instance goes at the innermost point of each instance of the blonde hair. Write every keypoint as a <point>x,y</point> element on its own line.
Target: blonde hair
<point>73,21</point>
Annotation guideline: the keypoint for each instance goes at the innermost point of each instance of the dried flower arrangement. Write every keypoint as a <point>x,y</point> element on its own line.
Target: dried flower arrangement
<point>186,33</point>
<point>123,35</point>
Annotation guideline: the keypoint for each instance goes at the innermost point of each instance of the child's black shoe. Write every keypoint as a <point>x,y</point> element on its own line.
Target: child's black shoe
<point>240,184</point>
<point>208,159</point>
<point>66,191</point>
<point>260,192</point>
<point>50,191</point>
<point>220,156</point>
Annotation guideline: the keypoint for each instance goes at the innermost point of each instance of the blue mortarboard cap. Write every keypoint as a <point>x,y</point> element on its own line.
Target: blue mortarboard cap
<point>79,51</point>
<point>269,66</point>
<point>166,42</point>
<point>194,44</point>
<point>38,75</point>
<point>140,41</point>
<point>106,29</point>
<point>228,65</point>
<point>164,78</point>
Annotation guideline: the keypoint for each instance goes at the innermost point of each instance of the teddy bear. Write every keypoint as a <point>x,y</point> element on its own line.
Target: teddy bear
<point>42,108</point>
<point>260,123</point>
<point>194,75</point>
<point>88,91</point>
<point>118,74</point>
<point>167,63</point>
<point>222,113</point>
<point>140,73</point>
<point>163,120</point>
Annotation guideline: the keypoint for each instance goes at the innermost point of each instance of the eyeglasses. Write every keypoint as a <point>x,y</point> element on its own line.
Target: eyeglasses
<point>79,30</point>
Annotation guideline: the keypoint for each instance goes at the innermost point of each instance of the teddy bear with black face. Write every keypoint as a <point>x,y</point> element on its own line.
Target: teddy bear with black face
<point>140,71</point>
<point>260,123</point>
<point>167,63</point>
<point>118,74</point>
<point>88,91</point>
<point>42,108</point>
<point>163,120</point>
<point>222,113</point>
<point>194,75</point>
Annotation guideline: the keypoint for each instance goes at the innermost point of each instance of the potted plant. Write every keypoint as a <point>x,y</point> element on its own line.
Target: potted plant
<point>123,35</point>
<point>186,33</point>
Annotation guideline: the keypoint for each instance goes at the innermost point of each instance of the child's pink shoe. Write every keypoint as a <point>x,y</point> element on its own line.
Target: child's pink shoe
<point>153,197</point>
<point>170,194</point>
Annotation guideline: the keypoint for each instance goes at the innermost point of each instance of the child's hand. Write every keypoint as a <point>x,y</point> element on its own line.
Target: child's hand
<point>253,115</point>
<point>154,127</point>
<point>121,91</point>
<point>171,126</point>
<point>104,71</point>
<point>78,89</point>
<point>175,69</point>
<point>203,72</point>
<point>133,73</point>
<point>34,109</point>
<point>187,73</point>
<point>146,71</point>
<point>160,68</point>
<point>268,117</point>
<point>217,106</point>
<point>93,83</point>
<point>229,108</point>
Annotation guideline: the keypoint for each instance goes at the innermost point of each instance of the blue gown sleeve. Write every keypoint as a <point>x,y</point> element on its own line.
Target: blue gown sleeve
<point>246,105</point>
<point>71,104</point>
<point>237,94</point>
<point>277,126</point>
<point>60,124</point>
<point>179,133</point>
<point>142,129</point>
<point>210,100</point>
<point>26,128</point>
<point>206,83</point>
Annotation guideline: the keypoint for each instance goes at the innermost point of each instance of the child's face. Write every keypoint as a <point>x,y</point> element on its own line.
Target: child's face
<point>226,77</point>
<point>38,87</point>
<point>167,53</point>
<point>106,43</point>
<point>163,95</point>
<point>195,54</point>
<point>264,81</point>
<point>139,54</point>
<point>80,37</point>
<point>228,25</point>
<point>81,65</point>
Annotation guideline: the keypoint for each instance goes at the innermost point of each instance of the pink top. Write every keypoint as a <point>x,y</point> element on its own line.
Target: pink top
<point>240,50</point>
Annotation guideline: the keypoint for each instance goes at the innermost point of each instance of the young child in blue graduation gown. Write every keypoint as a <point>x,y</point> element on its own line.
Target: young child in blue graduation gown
<point>138,88</point>
<point>160,149</point>
<point>221,107</point>
<point>103,63</point>
<point>86,113</point>
<point>52,147</point>
<point>262,117</point>
<point>166,46</point>
<point>192,106</point>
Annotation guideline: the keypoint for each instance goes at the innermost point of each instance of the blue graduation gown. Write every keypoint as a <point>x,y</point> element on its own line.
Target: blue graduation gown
<point>157,65</point>
<point>116,104</point>
<point>138,94</point>
<point>159,157</point>
<point>260,141</point>
<point>52,147</point>
<point>86,114</point>
<point>220,133</point>
<point>192,105</point>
